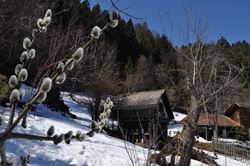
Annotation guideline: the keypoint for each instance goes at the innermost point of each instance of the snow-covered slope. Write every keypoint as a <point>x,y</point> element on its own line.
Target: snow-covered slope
<point>100,150</point>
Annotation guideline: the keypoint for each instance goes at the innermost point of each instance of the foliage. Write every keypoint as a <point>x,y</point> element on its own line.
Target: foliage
<point>240,133</point>
<point>4,88</point>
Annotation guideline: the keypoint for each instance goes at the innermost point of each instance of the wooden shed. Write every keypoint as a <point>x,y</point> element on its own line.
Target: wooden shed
<point>225,125</point>
<point>240,113</point>
<point>143,116</point>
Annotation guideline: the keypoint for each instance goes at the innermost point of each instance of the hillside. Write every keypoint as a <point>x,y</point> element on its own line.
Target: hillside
<point>98,150</point>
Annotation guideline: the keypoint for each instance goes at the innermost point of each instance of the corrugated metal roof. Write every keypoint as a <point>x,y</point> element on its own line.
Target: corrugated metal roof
<point>145,98</point>
<point>222,120</point>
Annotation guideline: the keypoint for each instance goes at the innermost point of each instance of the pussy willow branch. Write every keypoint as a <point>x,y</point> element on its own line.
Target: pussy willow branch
<point>34,137</point>
<point>29,104</point>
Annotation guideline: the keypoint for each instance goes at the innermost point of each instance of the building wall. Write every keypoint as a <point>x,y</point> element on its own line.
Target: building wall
<point>236,116</point>
<point>244,117</point>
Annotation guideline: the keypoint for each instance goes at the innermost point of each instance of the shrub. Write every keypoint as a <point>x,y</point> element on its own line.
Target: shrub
<point>240,133</point>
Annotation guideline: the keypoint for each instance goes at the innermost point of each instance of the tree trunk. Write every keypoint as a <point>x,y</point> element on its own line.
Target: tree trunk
<point>97,103</point>
<point>215,125</point>
<point>188,140</point>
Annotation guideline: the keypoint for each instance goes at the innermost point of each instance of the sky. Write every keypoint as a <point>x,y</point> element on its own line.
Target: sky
<point>227,18</point>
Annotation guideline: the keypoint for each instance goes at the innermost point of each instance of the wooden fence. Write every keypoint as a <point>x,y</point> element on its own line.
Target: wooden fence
<point>232,149</point>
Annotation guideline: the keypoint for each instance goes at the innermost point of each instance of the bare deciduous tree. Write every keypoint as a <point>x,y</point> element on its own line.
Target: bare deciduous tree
<point>206,72</point>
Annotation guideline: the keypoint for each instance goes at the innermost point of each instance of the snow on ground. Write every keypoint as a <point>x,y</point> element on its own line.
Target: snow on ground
<point>173,128</point>
<point>100,150</point>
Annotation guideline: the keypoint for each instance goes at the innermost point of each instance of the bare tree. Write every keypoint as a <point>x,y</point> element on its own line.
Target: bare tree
<point>206,72</point>
<point>98,74</point>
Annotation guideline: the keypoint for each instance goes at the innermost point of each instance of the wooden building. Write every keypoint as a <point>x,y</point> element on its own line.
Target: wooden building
<point>225,125</point>
<point>240,113</point>
<point>143,116</point>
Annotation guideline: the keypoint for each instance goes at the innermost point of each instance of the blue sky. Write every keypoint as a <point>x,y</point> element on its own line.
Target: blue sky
<point>228,18</point>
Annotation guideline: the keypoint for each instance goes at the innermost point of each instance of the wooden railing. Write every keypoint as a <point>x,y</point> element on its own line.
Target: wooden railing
<point>235,150</point>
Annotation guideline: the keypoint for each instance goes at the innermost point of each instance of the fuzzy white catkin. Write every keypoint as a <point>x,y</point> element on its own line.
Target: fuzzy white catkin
<point>114,15</point>
<point>40,22</point>
<point>60,78</point>
<point>108,100</point>
<point>46,20</point>
<point>101,116</point>
<point>26,43</point>
<point>96,32</point>
<point>14,96</point>
<point>51,131</point>
<point>46,85</point>
<point>91,133</point>
<point>82,136</point>
<point>77,56</point>
<point>24,56</point>
<point>31,54</point>
<point>43,29</point>
<point>21,92</point>
<point>59,139</point>
<point>18,69</point>
<point>23,75</point>
<point>42,96</point>
<point>48,13</point>
<point>60,67</point>
<point>98,129</point>
<point>68,135</point>
<point>93,124</point>
<point>34,32</point>
<point>113,23</point>
<point>71,65</point>
<point>13,81</point>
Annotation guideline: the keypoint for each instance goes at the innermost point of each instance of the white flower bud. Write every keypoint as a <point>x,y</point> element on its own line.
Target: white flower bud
<point>71,65</point>
<point>78,133</point>
<point>60,78</point>
<point>91,133</point>
<point>24,56</point>
<point>18,69</point>
<point>110,104</point>
<point>51,131</point>
<point>102,122</point>
<point>107,113</point>
<point>114,15</point>
<point>96,32</point>
<point>14,96</point>
<point>98,129</point>
<point>13,81</point>
<point>48,13</point>
<point>34,32</point>
<point>101,116</point>
<point>113,23</point>
<point>93,124</point>
<point>77,56</point>
<point>82,136</point>
<point>108,100</point>
<point>40,22</point>
<point>42,96</point>
<point>46,85</point>
<point>46,20</point>
<point>60,138</point>
<point>60,67</point>
<point>43,29</point>
<point>21,93</point>
<point>23,75</point>
<point>26,43</point>
<point>68,135</point>
<point>31,54</point>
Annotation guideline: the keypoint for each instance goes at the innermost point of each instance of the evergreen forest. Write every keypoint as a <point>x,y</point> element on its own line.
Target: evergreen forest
<point>129,58</point>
